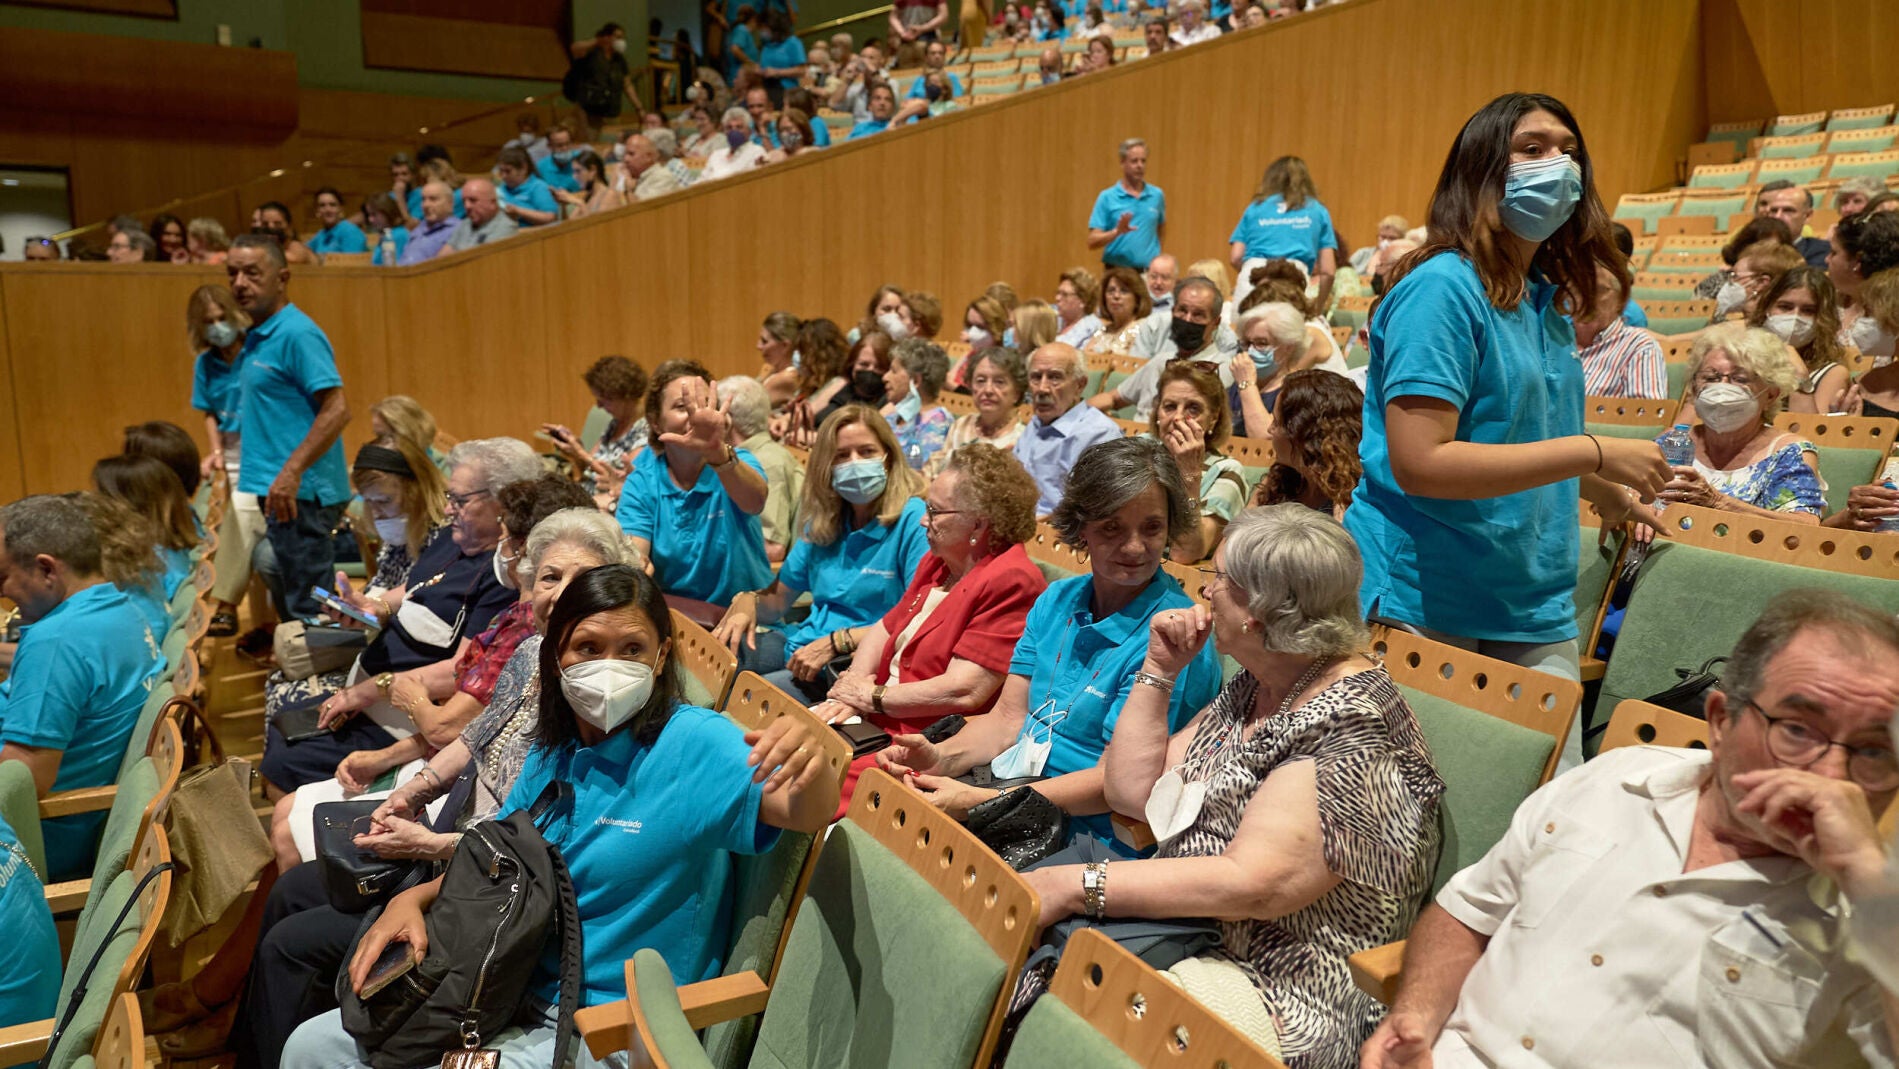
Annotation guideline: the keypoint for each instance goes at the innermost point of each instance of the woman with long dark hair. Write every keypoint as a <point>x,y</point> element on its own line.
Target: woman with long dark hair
<point>1473,449</point>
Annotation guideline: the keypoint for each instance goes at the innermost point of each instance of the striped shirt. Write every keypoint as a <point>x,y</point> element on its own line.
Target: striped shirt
<point>1623,361</point>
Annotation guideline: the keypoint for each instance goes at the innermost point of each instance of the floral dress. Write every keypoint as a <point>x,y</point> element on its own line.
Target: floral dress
<point>612,451</point>
<point>1780,482</point>
<point>923,436</point>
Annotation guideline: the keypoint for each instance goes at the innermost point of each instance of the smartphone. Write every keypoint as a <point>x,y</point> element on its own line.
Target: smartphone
<point>396,959</point>
<point>338,605</point>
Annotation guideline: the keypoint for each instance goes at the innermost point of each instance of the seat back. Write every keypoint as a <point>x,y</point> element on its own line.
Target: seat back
<point>1722,204</point>
<point>709,665</point>
<point>1882,165</point>
<point>1596,564</point>
<point>1107,1008</point>
<point>1739,563</point>
<point>141,737</point>
<point>1722,175</point>
<point>1351,311</point>
<point>1637,723</point>
<point>1678,317</point>
<point>1852,448</point>
<point>1495,730</point>
<point>1644,209</point>
<point>140,799</point>
<point>1796,125</point>
<point>1860,118</point>
<point>121,1043</point>
<point>20,808</point>
<point>906,947</point>
<point>1255,456</point>
<point>121,945</point>
<point>1789,147</point>
<point>1056,559</point>
<point>770,884</point>
<point>1798,171</point>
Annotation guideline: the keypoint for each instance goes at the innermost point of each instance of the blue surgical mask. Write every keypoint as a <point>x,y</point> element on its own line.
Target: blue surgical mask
<point>221,333</point>
<point>566,156</point>
<point>1539,196</point>
<point>735,138</point>
<point>1265,361</point>
<point>859,481</point>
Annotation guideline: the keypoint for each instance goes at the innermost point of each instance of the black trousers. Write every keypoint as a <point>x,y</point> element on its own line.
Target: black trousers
<point>293,978</point>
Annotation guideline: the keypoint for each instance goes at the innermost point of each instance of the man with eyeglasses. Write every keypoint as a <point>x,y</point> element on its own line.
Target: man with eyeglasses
<point>1061,427</point>
<point>1663,906</point>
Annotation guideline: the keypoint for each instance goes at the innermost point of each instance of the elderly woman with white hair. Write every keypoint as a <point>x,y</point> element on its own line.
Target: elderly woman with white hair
<point>1738,379</point>
<point>1274,343</point>
<point>741,152</point>
<point>748,407</point>
<point>452,592</point>
<point>666,143</point>
<point>1298,810</point>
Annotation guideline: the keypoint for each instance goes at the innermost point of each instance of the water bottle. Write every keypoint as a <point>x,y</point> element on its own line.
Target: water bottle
<point>913,454</point>
<point>1887,524</point>
<point>1678,451</point>
<point>388,248</point>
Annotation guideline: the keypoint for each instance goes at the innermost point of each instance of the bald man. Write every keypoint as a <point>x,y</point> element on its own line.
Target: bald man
<point>438,224</point>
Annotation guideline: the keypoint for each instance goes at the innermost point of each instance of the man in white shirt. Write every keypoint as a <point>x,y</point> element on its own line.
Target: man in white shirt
<point>1661,907</point>
<point>642,175</point>
<point>1194,27</point>
<point>852,92</point>
<point>1161,273</point>
<point>739,153</point>
<point>1191,331</point>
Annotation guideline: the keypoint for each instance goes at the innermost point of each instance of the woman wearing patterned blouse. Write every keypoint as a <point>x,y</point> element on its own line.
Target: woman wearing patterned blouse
<point>998,381</point>
<point>618,386</point>
<point>1738,379</point>
<point>1299,810</point>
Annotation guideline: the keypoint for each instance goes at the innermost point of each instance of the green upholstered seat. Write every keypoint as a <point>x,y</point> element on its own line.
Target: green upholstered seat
<point>138,785</point>
<point>1489,767</point>
<point>697,693</point>
<point>1640,432</point>
<point>1357,356</point>
<point>1690,603</point>
<point>1719,207</point>
<point>594,426</point>
<point>1054,1035</point>
<point>1677,372</point>
<point>148,715</point>
<point>1862,164</point>
<point>1684,292</point>
<point>181,603</point>
<point>766,885</point>
<point>20,808</point>
<point>1595,570</point>
<point>1842,469</point>
<point>1807,169</point>
<point>1348,317</point>
<point>95,929</point>
<point>173,650</point>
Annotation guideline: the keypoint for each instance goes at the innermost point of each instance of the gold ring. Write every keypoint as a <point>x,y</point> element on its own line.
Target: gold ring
<point>804,749</point>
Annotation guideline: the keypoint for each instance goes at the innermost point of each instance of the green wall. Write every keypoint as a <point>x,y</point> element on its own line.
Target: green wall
<point>325,35</point>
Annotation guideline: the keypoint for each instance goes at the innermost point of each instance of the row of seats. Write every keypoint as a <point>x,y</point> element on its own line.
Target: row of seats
<point>1744,133</point>
<point>1876,162</point>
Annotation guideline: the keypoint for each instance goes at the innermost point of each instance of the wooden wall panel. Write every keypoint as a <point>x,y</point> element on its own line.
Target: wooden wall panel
<point>493,340</point>
<point>1765,58</point>
<point>12,474</point>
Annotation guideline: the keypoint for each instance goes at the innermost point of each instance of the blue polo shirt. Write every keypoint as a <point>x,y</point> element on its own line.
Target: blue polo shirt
<point>1515,378</point>
<point>649,846</point>
<point>1140,245</point>
<point>29,959</point>
<point>820,133</point>
<point>80,676</point>
<point>917,90</point>
<point>1271,231</point>
<point>858,578</point>
<point>868,127</point>
<point>345,236</point>
<point>286,362</point>
<point>742,39</point>
<point>556,174</point>
<point>397,234</point>
<point>415,203</point>
<point>1634,315</point>
<point>215,391</point>
<point>1049,450</point>
<point>532,194</point>
<point>1081,671</point>
<point>786,53</point>
<point>704,545</point>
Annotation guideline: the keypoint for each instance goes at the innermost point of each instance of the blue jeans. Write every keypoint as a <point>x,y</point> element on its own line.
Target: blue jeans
<point>769,659</point>
<point>305,556</point>
<point>321,1043</point>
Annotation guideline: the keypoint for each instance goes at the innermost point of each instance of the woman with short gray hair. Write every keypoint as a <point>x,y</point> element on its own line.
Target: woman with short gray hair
<point>918,370</point>
<point>1074,666</point>
<point>1300,807</point>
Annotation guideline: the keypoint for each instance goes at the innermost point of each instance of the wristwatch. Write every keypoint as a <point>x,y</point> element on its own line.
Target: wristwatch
<point>877,698</point>
<point>384,682</point>
<point>1094,889</point>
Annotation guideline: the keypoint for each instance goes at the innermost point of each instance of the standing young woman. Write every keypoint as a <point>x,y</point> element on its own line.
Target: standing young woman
<point>1473,446</point>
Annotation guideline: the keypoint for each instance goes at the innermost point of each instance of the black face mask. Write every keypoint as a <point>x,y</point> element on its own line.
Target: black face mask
<point>1188,337</point>
<point>1378,285</point>
<point>933,93</point>
<point>867,383</point>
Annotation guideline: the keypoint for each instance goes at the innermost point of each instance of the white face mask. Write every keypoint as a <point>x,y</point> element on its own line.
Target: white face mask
<point>1726,407</point>
<point>1795,330</point>
<point>1174,804</point>
<point>1029,755</point>
<point>1729,298</point>
<point>976,336</point>
<point>393,532</point>
<point>892,324</point>
<point>1869,337</point>
<point>606,693</point>
<point>504,568</point>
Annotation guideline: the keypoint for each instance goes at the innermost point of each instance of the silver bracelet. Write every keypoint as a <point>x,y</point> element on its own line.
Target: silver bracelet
<point>1160,683</point>
<point>1094,889</point>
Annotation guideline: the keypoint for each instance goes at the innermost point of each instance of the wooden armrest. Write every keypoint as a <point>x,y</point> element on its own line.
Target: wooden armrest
<point>609,1028</point>
<point>68,897</point>
<point>1134,833</point>
<point>82,800</point>
<point>24,1044</point>
<point>1378,970</point>
<point>1592,668</point>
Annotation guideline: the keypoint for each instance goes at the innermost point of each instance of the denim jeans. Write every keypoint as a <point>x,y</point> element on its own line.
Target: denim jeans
<point>304,554</point>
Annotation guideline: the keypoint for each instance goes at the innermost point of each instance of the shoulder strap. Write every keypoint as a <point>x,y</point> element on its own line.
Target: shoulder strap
<point>85,975</point>
<point>570,955</point>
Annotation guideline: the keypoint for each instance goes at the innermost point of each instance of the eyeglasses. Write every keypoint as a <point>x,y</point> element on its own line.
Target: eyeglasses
<point>1795,743</point>
<point>1214,575</point>
<point>456,502</point>
<point>1738,378</point>
<point>931,512</point>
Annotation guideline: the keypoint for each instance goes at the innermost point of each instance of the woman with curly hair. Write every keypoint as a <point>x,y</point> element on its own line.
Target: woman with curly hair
<point>823,355</point>
<point>1315,443</point>
<point>1802,309</point>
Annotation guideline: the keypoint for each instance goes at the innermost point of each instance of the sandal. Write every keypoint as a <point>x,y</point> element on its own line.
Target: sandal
<point>223,625</point>
<point>158,1019</point>
<point>201,1039</point>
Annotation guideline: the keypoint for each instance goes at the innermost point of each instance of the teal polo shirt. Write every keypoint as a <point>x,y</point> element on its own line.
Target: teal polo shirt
<point>648,834</point>
<point>215,390</point>
<point>703,545</point>
<point>532,194</point>
<point>1081,671</point>
<point>1272,231</point>
<point>29,959</point>
<point>1499,568</point>
<point>786,53</point>
<point>286,362</point>
<point>556,174</point>
<point>1140,245</point>
<point>858,578</point>
<point>345,236</point>
<point>80,677</point>
<point>397,234</point>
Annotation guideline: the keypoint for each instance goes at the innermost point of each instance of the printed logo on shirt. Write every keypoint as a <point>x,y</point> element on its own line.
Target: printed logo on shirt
<point>630,826</point>
<point>881,573</point>
<point>1090,689</point>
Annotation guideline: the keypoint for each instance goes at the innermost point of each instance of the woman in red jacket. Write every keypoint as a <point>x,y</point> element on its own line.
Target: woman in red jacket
<point>946,647</point>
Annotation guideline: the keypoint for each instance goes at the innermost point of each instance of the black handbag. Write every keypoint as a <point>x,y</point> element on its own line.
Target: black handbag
<point>356,879</point>
<point>1022,826</point>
